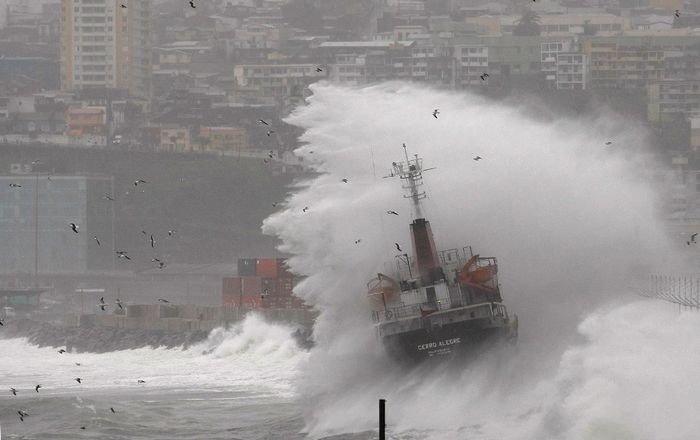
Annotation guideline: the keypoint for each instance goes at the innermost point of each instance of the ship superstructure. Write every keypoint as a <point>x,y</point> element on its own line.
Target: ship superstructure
<point>436,302</point>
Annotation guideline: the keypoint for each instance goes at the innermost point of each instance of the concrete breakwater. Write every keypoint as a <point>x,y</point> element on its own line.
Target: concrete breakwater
<point>154,325</point>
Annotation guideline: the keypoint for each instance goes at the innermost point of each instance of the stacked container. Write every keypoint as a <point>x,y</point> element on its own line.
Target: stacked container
<point>261,282</point>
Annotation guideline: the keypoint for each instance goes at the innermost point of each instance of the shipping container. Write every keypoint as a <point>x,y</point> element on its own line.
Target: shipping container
<point>268,286</point>
<point>282,269</point>
<point>284,286</point>
<point>251,302</point>
<point>229,299</point>
<point>252,286</point>
<point>232,285</point>
<point>266,268</point>
<point>247,267</point>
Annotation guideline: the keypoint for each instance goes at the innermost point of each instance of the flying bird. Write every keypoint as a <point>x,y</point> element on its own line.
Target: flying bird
<point>77,364</point>
<point>608,143</point>
<point>22,415</point>
<point>119,303</point>
<point>36,388</point>
<point>358,240</point>
<point>398,248</point>
<point>306,208</point>
<point>392,212</point>
<point>153,241</point>
<point>74,227</point>
<point>136,182</point>
<point>123,6</point>
<point>102,300</point>
<point>141,381</point>
<point>97,240</point>
<point>122,254</point>
<point>61,351</point>
<point>692,238</point>
<point>112,409</point>
<point>677,13</point>
<point>14,185</point>
<point>344,180</point>
<point>108,197</point>
<point>161,265</point>
<point>318,69</point>
<point>103,306</point>
<point>1,323</point>
<point>171,232</point>
<point>435,113</point>
<point>477,158</point>
<point>484,76</point>
<point>163,300</point>
<point>79,380</point>
<point>13,391</point>
<point>262,122</point>
<point>192,4</point>
<point>269,132</point>
<point>82,427</point>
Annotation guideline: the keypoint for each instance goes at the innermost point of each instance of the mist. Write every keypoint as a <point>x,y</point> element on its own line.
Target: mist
<point>570,219</point>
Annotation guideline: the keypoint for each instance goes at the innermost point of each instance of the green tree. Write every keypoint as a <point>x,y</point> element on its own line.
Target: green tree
<point>528,24</point>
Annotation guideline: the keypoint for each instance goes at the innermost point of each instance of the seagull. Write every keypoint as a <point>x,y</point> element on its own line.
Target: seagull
<point>36,388</point>
<point>122,254</point>
<point>102,300</point>
<point>136,182</point>
<point>97,240</point>
<point>108,197</point>
<point>274,205</point>
<point>358,240</point>
<point>477,158</point>
<point>484,76</point>
<point>163,300</point>
<point>398,247</point>
<point>79,380</point>
<point>119,303</point>
<point>112,409</point>
<point>61,351</point>
<point>306,208</point>
<point>102,307</point>
<point>262,122</point>
<point>344,180</point>
<point>1,323</point>
<point>141,381</point>
<point>677,13</point>
<point>608,143</point>
<point>22,415</point>
<point>77,364</point>
<point>392,212</point>
<point>318,69</point>
<point>269,132</point>
<point>161,265</point>
<point>435,113</point>
<point>123,6</point>
<point>192,4</point>
<point>14,185</point>
<point>153,242</point>
<point>13,391</point>
<point>82,427</point>
<point>74,227</point>
<point>155,260</point>
<point>270,155</point>
<point>171,232</point>
<point>692,239</point>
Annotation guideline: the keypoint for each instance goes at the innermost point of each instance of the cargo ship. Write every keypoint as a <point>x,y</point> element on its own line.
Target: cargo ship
<point>436,303</point>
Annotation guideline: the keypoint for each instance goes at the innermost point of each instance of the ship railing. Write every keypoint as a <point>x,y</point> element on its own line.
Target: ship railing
<point>481,310</point>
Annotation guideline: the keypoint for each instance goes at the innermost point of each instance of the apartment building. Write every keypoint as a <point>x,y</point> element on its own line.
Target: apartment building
<point>673,98</point>
<point>105,45</point>
<point>472,61</point>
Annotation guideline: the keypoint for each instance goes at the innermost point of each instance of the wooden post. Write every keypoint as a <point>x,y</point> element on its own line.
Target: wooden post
<point>382,419</point>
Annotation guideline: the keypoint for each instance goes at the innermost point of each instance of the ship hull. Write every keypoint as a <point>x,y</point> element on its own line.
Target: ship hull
<point>459,339</point>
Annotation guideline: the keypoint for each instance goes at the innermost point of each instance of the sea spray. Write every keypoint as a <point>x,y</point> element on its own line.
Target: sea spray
<point>570,219</point>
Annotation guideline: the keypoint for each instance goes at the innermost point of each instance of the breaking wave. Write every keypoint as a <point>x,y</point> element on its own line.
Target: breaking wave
<point>571,220</point>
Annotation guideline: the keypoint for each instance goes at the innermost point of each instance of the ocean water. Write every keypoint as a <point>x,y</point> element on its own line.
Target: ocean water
<point>572,221</point>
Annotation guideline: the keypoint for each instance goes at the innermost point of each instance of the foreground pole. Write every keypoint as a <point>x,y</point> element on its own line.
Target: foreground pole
<point>382,419</point>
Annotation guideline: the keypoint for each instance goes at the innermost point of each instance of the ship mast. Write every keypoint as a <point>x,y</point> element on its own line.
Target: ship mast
<point>426,260</point>
<point>411,175</point>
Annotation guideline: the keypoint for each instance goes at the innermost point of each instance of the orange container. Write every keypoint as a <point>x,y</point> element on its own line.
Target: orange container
<point>282,270</point>
<point>266,268</point>
<point>252,286</point>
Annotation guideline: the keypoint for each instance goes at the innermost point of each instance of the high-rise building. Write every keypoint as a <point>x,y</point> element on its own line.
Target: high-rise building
<point>36,211</point>
<point>106,44</point>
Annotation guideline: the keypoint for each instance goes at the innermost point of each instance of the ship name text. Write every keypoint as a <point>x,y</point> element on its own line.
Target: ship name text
<point>444,343</point>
